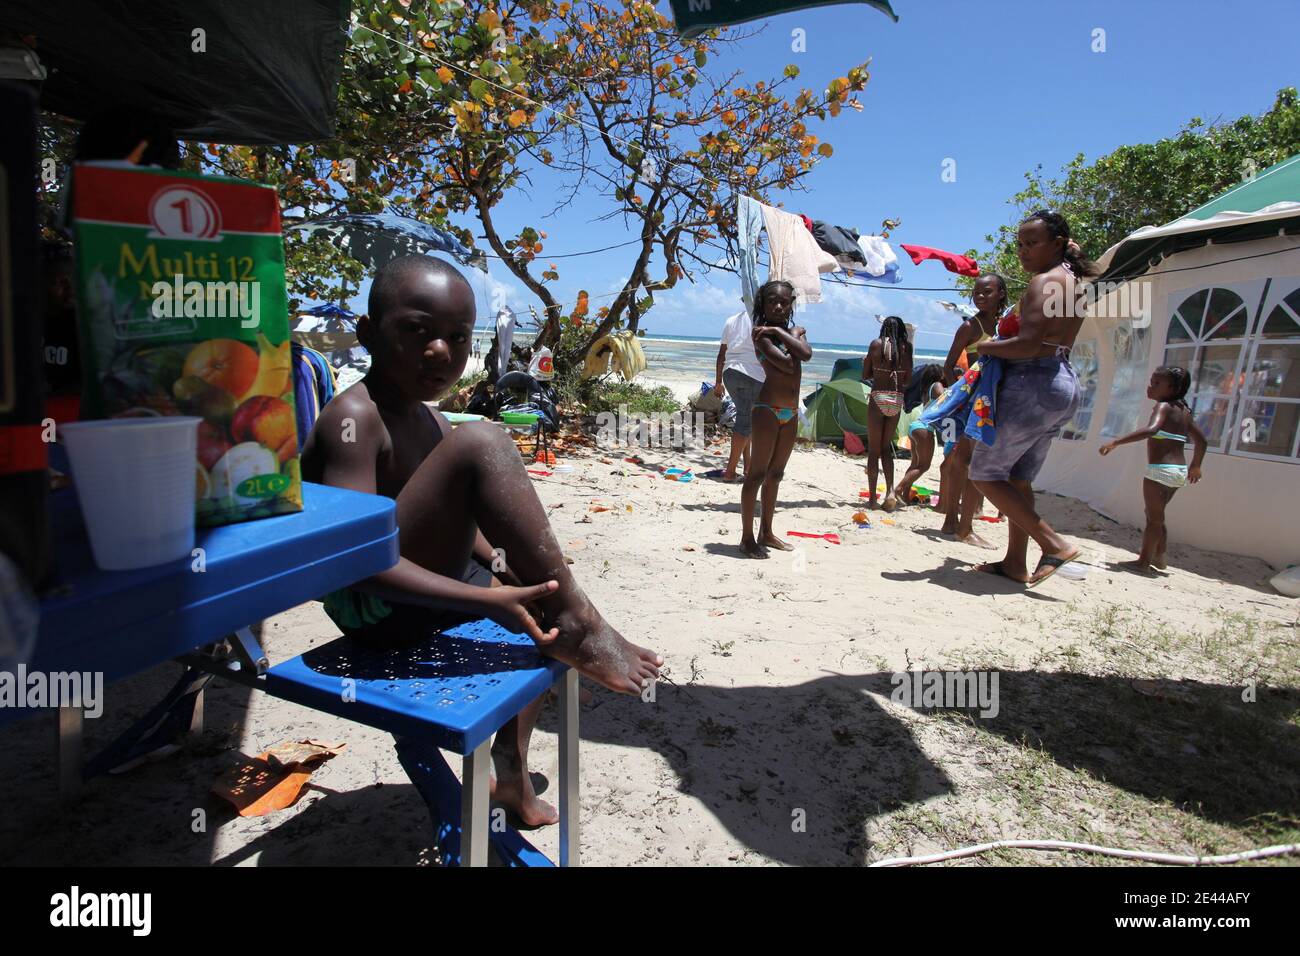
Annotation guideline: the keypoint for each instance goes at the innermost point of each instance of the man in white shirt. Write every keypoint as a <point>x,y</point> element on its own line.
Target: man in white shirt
<point>740,373</point>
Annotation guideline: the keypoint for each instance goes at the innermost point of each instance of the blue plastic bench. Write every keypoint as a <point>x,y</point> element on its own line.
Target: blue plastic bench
<point>452,691</point>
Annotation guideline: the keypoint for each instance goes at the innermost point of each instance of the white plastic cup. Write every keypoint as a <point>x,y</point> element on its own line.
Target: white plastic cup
<point>1075,571</point>
<point>136,479</point>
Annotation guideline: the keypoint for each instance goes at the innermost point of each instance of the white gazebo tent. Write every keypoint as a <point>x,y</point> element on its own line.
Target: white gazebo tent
<point>1217,292</point>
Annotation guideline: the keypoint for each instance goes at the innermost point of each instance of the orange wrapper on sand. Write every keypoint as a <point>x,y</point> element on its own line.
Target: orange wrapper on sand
<point>274,779</point>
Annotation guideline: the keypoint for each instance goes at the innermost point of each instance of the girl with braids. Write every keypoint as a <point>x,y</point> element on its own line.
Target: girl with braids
<point>1037,395</point>
<point>774,421</point>
<point>965,501</point>
<point>887,367</point>
<point>1166,435</point>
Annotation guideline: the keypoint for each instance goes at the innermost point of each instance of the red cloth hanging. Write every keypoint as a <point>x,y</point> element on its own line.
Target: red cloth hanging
<point>962,265</point>
<point>807,223</point>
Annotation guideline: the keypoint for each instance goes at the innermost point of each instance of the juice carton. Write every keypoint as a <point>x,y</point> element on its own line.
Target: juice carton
<point>183,311</point>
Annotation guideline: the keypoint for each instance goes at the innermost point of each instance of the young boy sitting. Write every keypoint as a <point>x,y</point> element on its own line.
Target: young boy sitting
<point>459,494</point>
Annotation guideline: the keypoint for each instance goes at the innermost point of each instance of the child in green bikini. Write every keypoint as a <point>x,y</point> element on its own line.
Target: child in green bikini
<point>774,423</point>
<point>1166,434</point>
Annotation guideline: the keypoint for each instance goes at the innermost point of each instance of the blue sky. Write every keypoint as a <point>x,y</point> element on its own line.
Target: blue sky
<point>999,87</point>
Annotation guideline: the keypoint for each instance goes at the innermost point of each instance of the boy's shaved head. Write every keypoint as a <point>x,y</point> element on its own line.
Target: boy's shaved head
<point>387,281</point>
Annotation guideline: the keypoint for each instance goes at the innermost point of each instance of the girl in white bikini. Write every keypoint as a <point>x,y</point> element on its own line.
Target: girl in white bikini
<point>1167,433</point>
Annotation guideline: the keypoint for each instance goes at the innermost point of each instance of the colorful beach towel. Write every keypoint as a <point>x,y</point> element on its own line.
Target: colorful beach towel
<point>972,399</point>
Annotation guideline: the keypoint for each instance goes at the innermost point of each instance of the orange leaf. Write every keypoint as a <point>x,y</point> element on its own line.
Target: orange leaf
<point>517,118</point>
<point>444,74</point>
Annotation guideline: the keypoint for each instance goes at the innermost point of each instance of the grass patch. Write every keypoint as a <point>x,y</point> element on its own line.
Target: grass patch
<point>606,395</point>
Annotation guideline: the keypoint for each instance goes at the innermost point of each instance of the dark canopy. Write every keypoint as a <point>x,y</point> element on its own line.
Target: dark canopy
<point>269,72</point>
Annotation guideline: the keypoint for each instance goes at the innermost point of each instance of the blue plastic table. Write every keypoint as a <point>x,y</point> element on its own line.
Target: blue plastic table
<point>119,623</point>
<point>124,622</point>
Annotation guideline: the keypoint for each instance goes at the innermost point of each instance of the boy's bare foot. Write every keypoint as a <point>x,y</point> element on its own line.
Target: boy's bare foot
<point>513,789</point>
<point>770,540</point>
<point>949,527</point>
<point>871,503</point>
<point>1160,562</point>
<point>970,537</point>
<point>891,504</point>
<point>752,549</point>
<point>596,651</point>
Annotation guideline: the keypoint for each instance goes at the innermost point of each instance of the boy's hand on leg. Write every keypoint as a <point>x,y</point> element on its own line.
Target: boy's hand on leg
<point>509,607</point>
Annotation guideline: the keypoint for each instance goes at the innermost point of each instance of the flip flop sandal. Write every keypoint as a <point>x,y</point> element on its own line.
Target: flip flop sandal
<point>1053,565</point>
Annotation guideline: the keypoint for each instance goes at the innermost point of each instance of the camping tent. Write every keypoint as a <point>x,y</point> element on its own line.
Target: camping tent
<point>840,405</point>
<point>1217,292</point>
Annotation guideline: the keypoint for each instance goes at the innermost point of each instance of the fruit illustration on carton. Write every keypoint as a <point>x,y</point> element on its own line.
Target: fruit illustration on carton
<point>271,423</point>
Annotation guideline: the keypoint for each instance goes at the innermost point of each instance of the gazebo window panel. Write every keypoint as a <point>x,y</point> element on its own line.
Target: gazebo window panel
<point>1275,372</point>
<point>1270,428</point>
<point>1083,356</point>
<point>1192,311</point>
<point>1225,316</point>
<point>1218,322</point>
<point>1284,321</point>
<point>1269,422</point>
<point>1131,349</point>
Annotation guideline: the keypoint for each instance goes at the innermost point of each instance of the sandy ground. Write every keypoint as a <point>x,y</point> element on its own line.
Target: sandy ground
<point>774,739</point>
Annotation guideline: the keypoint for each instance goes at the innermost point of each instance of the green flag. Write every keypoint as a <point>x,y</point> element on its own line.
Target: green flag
<point>693,17</point>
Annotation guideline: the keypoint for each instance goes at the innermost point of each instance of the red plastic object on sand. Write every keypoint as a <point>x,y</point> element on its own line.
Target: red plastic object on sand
<point>832,537</point>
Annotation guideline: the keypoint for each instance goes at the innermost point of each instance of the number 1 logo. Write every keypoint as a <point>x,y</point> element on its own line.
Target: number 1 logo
<point>179,212</point>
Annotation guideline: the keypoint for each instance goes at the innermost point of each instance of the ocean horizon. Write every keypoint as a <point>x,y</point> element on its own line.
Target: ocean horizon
<point>694,357</point>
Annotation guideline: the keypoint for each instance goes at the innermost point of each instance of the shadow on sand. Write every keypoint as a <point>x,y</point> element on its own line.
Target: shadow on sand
<point>757,755</point>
